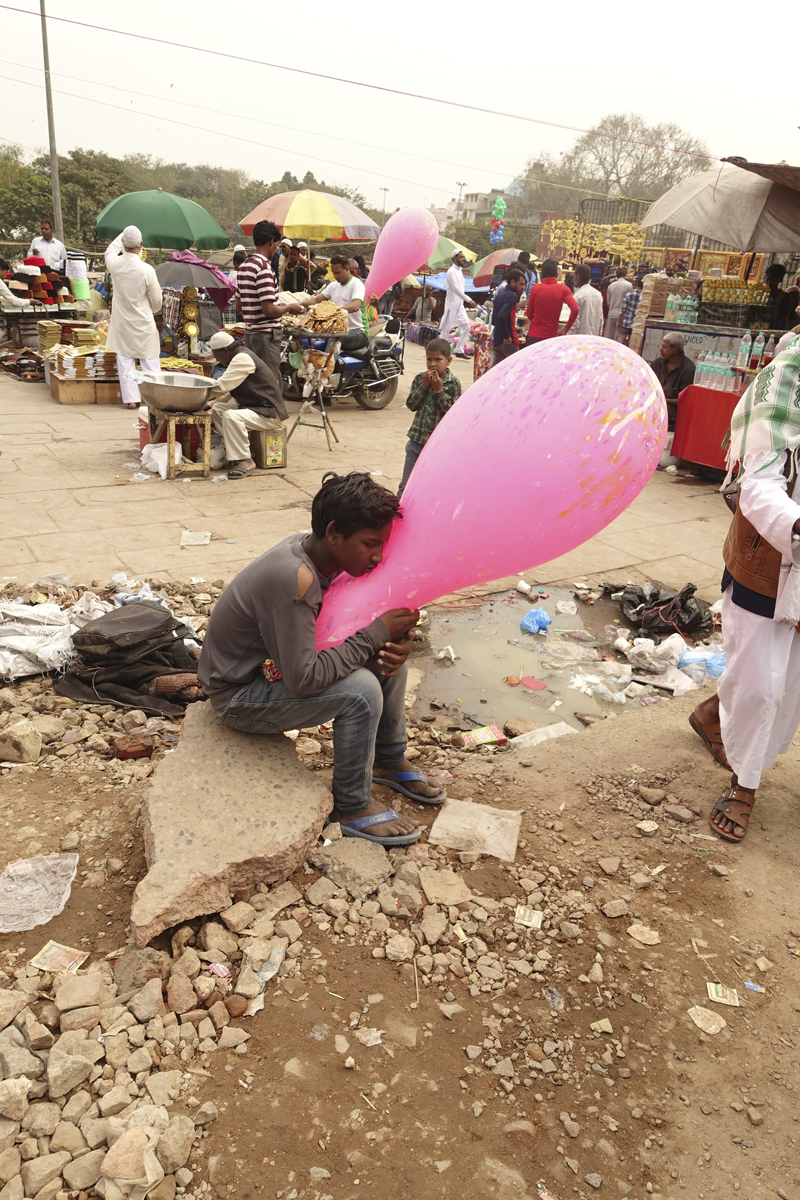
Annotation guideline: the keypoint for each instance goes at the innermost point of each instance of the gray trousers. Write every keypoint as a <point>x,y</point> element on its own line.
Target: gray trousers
<point>268,349</point>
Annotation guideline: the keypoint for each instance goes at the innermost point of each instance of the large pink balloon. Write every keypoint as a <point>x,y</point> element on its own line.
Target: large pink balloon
<point>407,240</point>
<point>535,458</point>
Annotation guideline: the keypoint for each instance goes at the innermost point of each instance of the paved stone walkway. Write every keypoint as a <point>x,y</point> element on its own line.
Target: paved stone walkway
<point>69,506</point>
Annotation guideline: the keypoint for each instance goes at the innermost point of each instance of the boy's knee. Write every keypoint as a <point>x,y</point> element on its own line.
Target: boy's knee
<point>364,686</point>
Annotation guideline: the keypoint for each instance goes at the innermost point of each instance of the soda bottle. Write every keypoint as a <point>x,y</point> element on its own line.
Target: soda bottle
<point>758,352</point>
<point>769,352</point>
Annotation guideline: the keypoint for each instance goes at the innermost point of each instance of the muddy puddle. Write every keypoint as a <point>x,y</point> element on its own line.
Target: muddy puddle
<point>489,645</point>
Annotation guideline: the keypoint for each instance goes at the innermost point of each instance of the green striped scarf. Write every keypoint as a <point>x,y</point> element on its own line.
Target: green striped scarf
<point>767,417</point>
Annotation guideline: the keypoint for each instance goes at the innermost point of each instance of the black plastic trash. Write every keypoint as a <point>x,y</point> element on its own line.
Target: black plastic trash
<point>661,612</point>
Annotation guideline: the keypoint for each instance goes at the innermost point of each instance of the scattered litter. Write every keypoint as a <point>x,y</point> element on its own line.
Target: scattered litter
<point>219,479</point>
<point>566,608</point>
<point>197,579</point>
<point>460,933</point>
<point>370,1037</point>
<point>705,1019</point>
<point>54,956</point>
<point>754,987</point>
<point>255,1005</point>
<point>657,870</point>
<point>524,588</point>
<point>139,477</point>
<point>795,951</point>
<point>535,620</point>
<point>722,995</point>
<point>706,837</point>
<point>271,967</point>
<point>486,735</point>
<point>154,457</point>
<point>554,999</point>
<point>195,539</point>
<point>477,828</point>
<point>762,963</point>
<point>220,970</point>
<point>132,466</point>
<point>230,541</point>
<point>643,935</point>
<point>535,685</point>
<point>542,1192</point>
<point>530,917</point>
<point>602,1026</point>
<point>447,652</point>
<point>535,736</point>
<point>34,890</point>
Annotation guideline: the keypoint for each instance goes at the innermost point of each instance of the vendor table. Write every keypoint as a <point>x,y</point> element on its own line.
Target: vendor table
<point>318,364</point>
<point>696,338</point>
<point>704,417</point>
<point>160,419</point>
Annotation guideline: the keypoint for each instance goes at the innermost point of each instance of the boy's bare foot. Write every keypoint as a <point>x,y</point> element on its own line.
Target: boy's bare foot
<point>388,829</point>
<point>412,785</point>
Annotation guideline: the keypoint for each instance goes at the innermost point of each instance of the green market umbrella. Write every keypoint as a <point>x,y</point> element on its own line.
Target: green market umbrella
<point>442,256</point>
<point>166,221</point>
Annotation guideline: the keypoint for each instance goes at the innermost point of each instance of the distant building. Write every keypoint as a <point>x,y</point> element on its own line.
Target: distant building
<point>477,206</point>
<point>445,216</point>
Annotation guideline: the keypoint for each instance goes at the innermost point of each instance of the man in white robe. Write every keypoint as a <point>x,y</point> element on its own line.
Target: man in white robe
<point>456,304</point>
<point>756,711</point>
<point>136,297</point>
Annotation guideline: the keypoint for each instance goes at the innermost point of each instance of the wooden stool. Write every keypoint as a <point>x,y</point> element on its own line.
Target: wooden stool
<point>160,419</point>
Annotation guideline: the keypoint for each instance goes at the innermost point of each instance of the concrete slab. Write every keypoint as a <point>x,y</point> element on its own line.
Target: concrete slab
<point>226,810</point>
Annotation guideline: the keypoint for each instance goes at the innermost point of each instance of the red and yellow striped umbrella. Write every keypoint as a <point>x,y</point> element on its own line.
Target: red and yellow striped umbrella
<point>316,216</point>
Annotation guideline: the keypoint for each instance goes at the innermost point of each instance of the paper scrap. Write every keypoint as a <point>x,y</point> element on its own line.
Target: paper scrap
<point>460,933</point>
<point>195,539</point>
<point>220,970</point>
<point>54,956</point>
<point>543,1193</point>
<point>602,1026</point>
<point>764,964</point>
<point>722,995</point>
<point>197,579</point>
<point>754,987</point>
<point>705,1019</point>
<point>530,917</point>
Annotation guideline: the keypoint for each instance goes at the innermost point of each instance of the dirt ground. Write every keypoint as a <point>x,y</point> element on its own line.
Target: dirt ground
<point>655,1107</point>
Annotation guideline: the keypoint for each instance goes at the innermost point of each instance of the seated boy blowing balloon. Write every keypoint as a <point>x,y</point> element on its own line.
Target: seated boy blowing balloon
<point>262,672</point>
<point>432,393</point>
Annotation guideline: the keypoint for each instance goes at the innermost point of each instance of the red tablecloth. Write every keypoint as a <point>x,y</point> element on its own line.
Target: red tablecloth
<point>704,417</point>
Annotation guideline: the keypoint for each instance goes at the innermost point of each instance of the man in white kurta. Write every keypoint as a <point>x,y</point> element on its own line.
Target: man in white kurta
<point>136,297</point>
<point>456,303</point>
<point>49,247</point>
<point>756,712</point>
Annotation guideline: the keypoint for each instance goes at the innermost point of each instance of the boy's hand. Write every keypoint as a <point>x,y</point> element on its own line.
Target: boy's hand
<point>436,381</point>
<point>392,656</point>
<point>399,621</point>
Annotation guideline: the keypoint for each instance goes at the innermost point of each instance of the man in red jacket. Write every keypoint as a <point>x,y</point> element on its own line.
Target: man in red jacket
<point>545,302</point>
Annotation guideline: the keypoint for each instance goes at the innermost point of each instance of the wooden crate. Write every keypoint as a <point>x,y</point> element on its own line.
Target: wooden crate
<point>268,448</point>
<point>107,391</point>
<point>72,391</point>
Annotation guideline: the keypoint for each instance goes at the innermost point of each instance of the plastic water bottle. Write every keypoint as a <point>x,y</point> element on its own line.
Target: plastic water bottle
<point>669,310</point>
<point>730,378</point>
<point>700,369</point>
<point>743,360</point>
<point>695,310</point>
<point>758,353</point>
<point>769,352</point>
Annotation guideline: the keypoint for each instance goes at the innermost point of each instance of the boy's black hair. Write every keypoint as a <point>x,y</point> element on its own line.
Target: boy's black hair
<point>439,346</point>
<point>340,261</point>
<point>525,257</point>
<point>514,273</point>
<point>549,269</point>
<point>265,231</point>
<point>353,502</point>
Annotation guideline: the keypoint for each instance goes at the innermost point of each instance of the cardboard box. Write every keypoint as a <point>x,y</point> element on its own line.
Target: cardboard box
<point>268,448</point>
<point>72,391</point>
<point>487,735</point>
<point>107,391</point>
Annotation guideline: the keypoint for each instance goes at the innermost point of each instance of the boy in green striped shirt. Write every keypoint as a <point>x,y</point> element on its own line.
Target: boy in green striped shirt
<point>432,393</point>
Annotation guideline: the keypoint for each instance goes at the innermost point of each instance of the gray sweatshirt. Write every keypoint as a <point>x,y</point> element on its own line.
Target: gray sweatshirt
<point>259,616</point>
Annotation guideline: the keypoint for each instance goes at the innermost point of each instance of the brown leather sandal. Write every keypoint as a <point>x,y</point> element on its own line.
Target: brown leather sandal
<point>712,736</point>
<point>735,810</point>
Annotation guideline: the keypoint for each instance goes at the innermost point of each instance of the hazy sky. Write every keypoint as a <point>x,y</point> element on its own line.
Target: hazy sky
<point>668,64</point>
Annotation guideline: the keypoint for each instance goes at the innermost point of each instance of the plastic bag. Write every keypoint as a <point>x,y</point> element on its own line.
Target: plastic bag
<point>660,613</point>
<point>558,655</point>
<point>34,890</point>
<point>710,656</point>
<point>647,656</point>
<point>535,620</point>
<point>154,458</point>
<point>151,1122</point>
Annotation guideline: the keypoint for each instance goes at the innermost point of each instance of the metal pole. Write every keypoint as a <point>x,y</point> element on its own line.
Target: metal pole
<point>458,207</point>
<point>51,129</point>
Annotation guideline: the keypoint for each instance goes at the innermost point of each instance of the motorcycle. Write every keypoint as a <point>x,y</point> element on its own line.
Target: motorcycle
<point>370,375</point>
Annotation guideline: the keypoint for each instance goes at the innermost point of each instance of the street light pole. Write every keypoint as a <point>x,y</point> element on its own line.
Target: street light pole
<point>460,186</point>
<point>384,190</point>
<point>51,129</point>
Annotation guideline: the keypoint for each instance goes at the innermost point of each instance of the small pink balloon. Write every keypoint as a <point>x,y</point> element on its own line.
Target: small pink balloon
<point>535,458</point>
<point>406,241</point>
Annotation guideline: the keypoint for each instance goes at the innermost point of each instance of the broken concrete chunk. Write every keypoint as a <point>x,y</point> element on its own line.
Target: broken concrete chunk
<point>20,742</point>
<point>238,917</point>
<point>444,887</point>
<point>615,908</point>
<point>355,865</point>
<point>321,890</point>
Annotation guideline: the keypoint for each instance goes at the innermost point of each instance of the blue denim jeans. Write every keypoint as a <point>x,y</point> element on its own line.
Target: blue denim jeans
<point>369,725</point>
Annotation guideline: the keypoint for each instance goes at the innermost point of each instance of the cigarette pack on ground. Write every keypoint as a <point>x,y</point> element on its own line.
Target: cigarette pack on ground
<point>487,735</point>
<point>531,917</point>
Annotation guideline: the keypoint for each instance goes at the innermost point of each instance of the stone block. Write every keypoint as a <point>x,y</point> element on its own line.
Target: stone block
<point>355,865</point>
<point>79,991</point>
<point>84,1172</point>
<point>42,1170</point>
<point>11,1005</point>
<point>225,811</point>
<point>20,742</point>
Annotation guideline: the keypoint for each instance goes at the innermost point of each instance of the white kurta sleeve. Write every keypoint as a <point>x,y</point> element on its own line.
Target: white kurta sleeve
<point>237,370</point>
<point>113,252</point>
<point>154,291</point>
<point>8,297</point>
<point>765,503</point>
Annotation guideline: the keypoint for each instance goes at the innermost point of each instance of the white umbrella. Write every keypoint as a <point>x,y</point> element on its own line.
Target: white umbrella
<point>732,206</point>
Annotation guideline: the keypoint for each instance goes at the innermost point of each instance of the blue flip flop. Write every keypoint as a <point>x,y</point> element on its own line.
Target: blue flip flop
<point>356,829</point>
<point>396,780</point>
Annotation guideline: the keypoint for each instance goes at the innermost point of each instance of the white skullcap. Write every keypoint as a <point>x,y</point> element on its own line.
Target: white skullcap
<point>238,246</point>
<point>302,245</point>
<point>220,340</point>
<point>131,236</point>
<point>285,242</point>
<point>456,252</point>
